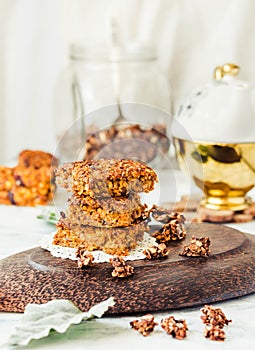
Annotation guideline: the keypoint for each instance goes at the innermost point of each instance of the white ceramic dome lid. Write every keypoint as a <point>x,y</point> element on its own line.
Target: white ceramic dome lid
<point>223,110</point>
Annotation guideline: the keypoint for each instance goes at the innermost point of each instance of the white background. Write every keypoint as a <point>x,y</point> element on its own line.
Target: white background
<point>191,36</point>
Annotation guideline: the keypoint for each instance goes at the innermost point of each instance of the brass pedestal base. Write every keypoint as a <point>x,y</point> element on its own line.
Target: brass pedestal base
<point>226,203</point>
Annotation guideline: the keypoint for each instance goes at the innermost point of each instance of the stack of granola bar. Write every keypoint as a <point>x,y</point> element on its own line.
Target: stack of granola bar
<point>31,181</point>
<point>104,210</point>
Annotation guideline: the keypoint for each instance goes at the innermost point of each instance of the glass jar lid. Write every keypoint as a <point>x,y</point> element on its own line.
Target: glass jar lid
<point>128,53</point>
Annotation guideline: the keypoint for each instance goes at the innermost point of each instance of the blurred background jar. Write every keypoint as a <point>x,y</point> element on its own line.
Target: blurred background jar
<point>113,101</point>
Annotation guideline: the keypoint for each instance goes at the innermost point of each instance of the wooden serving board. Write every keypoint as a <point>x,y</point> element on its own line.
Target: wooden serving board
<point>35,276</point>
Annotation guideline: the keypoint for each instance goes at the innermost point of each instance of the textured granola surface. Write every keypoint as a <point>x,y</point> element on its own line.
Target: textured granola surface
<point>106,177</point>
<point>36,159</point>
<point>30,182</point>
<point>6,178</point>
<point>111,240</point>
<point>6,183</point>
<point>105,212</point>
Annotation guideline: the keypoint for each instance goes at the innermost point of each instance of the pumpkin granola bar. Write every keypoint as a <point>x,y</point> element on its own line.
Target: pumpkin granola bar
<point>105,212</point>
<point>31,181</point>
<point>106,177</point>
<point>36,159</point>
<point>40,181</point>
<point>26,196</point>
<point>6,183</point>
<point>115,241</point>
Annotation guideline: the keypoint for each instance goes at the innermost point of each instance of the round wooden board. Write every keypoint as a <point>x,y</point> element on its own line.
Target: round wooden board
<point>35,276</point>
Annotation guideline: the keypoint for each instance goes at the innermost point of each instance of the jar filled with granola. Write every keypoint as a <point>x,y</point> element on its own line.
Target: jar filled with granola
<point>113,102</point>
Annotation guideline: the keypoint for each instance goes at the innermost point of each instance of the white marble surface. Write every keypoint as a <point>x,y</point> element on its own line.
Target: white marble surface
<point>21,230</point>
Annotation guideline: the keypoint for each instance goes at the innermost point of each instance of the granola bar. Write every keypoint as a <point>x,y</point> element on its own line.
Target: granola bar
<point>31,177</point>
<point>26,196</point>
<point>116,241</point>
<point>29,183</point>
<point>105,212</point>
<point>36,159</point>
<point>35,169</point>
<point>4,198</point>
<point>6,183</point>
<point>6,178</point>
<point>106,177</point>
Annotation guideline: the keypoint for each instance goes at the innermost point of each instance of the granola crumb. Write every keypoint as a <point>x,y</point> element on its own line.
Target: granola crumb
<point>156,252</point>
<point>121,269</point>
<point>165,215</point>
<point>145,325</point>
<point>84,257</point>
<point>214,316</point>
<point>214,333</point>
<point>171,231</point>
<point>198,247</point>
<point>176,328</point>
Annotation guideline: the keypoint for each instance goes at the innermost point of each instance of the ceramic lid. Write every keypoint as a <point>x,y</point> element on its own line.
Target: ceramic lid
<point>223,110</point>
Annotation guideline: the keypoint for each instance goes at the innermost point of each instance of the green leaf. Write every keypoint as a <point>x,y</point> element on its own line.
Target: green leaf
<point>58,315</point>
<point>49,214</point>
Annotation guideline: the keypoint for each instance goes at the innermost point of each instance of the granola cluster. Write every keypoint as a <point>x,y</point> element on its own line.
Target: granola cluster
<point>215,320</point>
<point>121,269</point>
<point>176,328</point>
<point>104,211</point>
<point>31,181</point>
<point>170,231</point>
<point>172,225</point>
<point>156,252</point>
<point>145,325</point>
<point>214,333</point>
<point>214,316</point>
<point>85,258</point>
<point>127,142</point>
<point>165,215</point>
<point>197,247</point>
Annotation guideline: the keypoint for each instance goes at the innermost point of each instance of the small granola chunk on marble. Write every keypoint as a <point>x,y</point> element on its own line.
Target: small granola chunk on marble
<point>176,328</point>
<point>214,333</point>
<point>215,320</point>
<point>145,325</point>
<point>214,316</point>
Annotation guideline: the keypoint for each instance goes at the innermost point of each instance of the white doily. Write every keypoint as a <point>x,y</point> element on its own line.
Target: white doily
<point>99,256</point>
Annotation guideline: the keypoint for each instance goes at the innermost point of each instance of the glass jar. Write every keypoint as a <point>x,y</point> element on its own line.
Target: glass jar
<point>108,95</point>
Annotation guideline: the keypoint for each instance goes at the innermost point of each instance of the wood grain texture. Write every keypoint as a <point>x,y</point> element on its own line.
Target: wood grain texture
<point>35,276</point>
<point>190,206</point>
